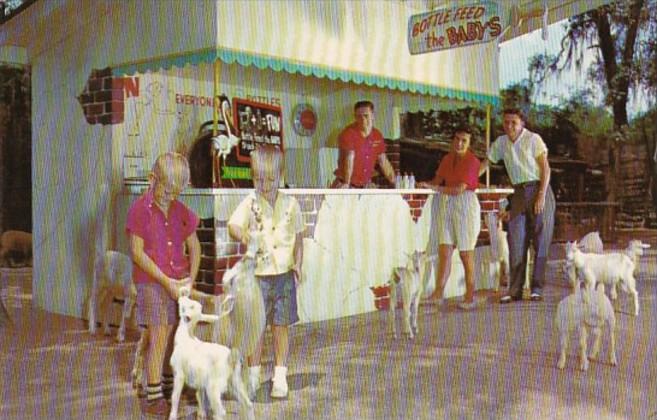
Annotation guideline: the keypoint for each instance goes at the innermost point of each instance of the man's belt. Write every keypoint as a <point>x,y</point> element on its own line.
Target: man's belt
<point>526,184</point>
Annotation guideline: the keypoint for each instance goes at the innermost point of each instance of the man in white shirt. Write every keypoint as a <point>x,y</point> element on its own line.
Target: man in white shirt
<point>532,203</point>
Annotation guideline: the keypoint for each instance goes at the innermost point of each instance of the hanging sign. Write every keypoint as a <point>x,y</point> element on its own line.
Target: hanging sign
<point>454,27</point>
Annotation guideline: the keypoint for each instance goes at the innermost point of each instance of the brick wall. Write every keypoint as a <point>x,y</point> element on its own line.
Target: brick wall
<point>220,252</point>
<point>102,98</point>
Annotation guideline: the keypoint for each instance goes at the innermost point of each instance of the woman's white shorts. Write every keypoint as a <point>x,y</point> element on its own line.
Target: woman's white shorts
<point>459,220</point>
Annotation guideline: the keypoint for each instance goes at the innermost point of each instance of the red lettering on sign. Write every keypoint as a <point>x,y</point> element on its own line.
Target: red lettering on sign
<point>131,86</point>
<point>495,26</point>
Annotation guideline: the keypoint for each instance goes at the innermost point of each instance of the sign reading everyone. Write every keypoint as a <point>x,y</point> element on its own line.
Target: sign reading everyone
<point>453,27</point>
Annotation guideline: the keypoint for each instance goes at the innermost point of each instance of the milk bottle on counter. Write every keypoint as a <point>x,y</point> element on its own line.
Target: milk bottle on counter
<point>398,181</point>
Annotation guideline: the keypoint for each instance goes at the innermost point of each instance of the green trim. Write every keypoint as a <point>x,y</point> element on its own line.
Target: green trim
<point>280,64</point>
<point>236,172</point>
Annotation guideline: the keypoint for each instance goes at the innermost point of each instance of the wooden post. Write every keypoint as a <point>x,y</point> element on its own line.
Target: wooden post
<point>216,174</point>
<point>487,143</point>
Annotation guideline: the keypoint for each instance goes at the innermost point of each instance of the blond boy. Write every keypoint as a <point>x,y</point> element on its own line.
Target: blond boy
<point>281,223</point>
<point>160,228</point>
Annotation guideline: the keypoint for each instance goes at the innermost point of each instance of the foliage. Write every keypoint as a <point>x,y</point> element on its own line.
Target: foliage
<point>15,148</point>
<point>623,34</point>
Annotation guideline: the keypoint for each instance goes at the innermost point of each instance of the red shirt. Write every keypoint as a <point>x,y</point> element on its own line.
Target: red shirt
<point>465,170</point>
<point>367,150</point>
<point>164,235</point>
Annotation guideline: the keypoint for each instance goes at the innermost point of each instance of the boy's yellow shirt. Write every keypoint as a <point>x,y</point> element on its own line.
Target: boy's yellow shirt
<point>280,225</point>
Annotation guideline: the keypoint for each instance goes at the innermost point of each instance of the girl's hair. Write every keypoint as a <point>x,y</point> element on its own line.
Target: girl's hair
<point>172,167</point>
<point>268,153</point>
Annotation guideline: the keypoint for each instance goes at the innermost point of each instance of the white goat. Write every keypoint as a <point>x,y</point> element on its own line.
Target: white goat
<point>610,269</point>
<point>112,279</point>
<point>502,262</point>
<point>409,280</point>
<point>579,310</point>
<point>206,367</point>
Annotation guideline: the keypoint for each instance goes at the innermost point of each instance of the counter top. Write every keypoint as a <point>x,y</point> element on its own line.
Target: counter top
<point>136,186</point>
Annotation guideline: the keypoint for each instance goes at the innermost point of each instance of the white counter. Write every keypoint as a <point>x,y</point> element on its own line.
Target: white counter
<point>353,240</point>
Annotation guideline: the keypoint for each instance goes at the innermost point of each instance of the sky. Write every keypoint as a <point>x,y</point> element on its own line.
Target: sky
<point>514,62</point>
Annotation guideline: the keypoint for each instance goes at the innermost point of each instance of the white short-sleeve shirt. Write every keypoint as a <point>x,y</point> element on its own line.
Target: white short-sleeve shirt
<point>280,227</point>
<point>519,157</point>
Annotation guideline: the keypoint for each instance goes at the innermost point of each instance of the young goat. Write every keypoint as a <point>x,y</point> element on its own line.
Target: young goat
<point>581,309</point>
<point>112,279</point>
<point>502,262</point>
<point>206,367</point>
<point>610,269</point>
<point>410,280</point>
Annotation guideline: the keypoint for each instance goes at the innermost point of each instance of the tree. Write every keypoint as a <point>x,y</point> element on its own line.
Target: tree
<point>624,35</point>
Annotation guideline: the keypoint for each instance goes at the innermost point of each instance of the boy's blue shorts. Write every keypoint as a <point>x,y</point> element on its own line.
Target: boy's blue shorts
<point>280,295</point>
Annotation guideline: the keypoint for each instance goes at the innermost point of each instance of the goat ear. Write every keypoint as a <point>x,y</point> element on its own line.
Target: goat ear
<point>226,305</point>
<point>184,291</point>
<point>208,318</point>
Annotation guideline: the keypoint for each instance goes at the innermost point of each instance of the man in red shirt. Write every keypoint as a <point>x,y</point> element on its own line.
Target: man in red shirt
<point>361,148</point>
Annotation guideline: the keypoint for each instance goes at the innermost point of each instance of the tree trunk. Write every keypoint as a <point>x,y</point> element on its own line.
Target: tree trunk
<point>618,75</point>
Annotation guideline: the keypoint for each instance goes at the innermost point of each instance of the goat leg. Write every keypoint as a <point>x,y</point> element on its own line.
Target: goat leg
<point>612,342</point>
<point>178,382</point>
<point>597,334</point>
<point>125,315</point>
<point>138,366</point>
<point>583,359</point>
<point>392,308</point>
<point>563,341</point>
<point>407,319</point>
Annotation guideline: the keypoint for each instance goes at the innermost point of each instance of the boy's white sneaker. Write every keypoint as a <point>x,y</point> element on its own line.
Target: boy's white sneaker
<point>279,387</point>
<point>254,380</point>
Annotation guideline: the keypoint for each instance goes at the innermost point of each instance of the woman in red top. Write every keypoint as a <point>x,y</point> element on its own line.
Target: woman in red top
<point>459,213</point>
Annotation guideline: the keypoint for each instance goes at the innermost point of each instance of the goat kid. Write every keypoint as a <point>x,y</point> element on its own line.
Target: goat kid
<point>206,367</point>
<point>578,311</point>
<point>502,261</point>
<point>410,280</point>
<point>112,279</point>
<point>609,269</point>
